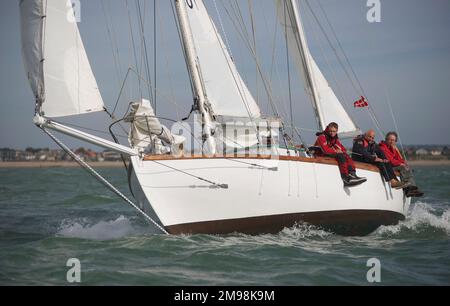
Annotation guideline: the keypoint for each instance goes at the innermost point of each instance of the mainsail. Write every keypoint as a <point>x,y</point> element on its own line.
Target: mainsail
<point>55,59</point>
<point>326,105</point>
<point>226,91</point>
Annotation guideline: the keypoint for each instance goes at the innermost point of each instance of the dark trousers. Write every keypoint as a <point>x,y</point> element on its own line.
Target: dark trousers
<point>386,169</point>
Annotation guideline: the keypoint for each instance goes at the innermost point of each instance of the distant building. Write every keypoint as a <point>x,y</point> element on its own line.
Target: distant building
<point>86,154</point>
<point>91,155</point>
<point>422,152</point>
<point>436,152</point>
<point>111,156</point>
<point>25,155</point>
<point>7,154</point>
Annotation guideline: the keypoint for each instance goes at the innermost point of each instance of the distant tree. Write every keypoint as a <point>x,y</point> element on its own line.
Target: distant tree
<point>80,150</point>
<point>445,151</point>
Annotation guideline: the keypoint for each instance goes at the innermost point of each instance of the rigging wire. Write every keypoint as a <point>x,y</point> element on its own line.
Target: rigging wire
<point>254,165</point>
<point>332,70</point>
<point>236,78</point>
<point>223,186</point>
<point>355,86</point>
<point>168,69</point>
<point>114,47</point>
<point>289,75</point>
<point>252,20</point>
<point>183,47</point>
<point>274,68</point>
<point>246,38</point>
<point>155,38</point>
<point>161,94</point>
<point>388,99</point>
<point>241,30</point>
<point>225,36</point>
<point>145,53</point>
<point>133,46</point>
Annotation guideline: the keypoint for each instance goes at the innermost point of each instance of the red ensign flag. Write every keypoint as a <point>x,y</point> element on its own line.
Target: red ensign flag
<point>361,102</point>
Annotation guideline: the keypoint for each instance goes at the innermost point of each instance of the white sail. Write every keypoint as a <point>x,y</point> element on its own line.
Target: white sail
<point>226,91</point>
<point>326,104</point>
<point>331,109</point>
<point>55,59</point>
<point>31,13</point>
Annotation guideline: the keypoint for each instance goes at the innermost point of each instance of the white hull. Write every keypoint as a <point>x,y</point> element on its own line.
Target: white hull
<point>259,200</point>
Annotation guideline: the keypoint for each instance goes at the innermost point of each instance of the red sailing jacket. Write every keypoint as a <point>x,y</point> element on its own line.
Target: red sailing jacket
<point>392,155</point>
<point>328,144</point>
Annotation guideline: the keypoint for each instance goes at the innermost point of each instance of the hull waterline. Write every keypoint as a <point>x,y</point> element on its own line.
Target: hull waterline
<point>343,222</point>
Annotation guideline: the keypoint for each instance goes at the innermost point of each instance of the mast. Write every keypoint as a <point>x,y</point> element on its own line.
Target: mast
<point>200,99</point>
<point>292,12</point>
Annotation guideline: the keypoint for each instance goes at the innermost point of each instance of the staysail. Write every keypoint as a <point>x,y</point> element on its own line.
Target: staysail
<point>326,105</point>
<point>227,93</point>
<point>55,60</point>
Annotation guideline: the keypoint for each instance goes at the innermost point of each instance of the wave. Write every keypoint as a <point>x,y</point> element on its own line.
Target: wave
<point>423,220</point>
<point>304,230</point>
<point>103,230</point>
<point>289,237</point>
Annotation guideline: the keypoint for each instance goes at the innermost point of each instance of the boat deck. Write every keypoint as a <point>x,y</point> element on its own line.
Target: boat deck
<point>317,160</point>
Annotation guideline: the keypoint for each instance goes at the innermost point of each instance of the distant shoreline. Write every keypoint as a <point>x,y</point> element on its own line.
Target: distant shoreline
<point>57,164</point>
<point>119,164</point>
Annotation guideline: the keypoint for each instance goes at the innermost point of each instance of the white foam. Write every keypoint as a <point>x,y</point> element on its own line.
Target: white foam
<point>304,230</point>
<point>295,235</point>
<point>422,216</point>
<point>103,230</point>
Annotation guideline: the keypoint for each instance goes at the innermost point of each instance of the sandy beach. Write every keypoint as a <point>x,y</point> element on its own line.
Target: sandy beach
<point>68,164</point>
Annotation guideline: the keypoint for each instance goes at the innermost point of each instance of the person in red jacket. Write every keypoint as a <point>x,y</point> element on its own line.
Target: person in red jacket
<point>328,142</point>
<point>392,153</point>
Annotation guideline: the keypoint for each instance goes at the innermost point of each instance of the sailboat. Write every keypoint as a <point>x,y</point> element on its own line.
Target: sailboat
<point>240,177</point>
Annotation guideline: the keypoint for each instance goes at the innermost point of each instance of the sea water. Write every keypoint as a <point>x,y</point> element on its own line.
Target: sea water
<point>49,215</point>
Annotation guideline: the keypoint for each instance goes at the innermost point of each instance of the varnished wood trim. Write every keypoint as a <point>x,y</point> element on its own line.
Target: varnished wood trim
<point>317,160</point>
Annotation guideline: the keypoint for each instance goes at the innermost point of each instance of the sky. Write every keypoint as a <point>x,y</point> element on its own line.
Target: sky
<point>405,57</point>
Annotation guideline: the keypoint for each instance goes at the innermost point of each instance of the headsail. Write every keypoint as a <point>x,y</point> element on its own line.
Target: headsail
<point>326,105</point>
<point>224,87</point>
<point>55,59</point>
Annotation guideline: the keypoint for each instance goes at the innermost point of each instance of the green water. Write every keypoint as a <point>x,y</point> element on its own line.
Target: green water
<point>50,215</point>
